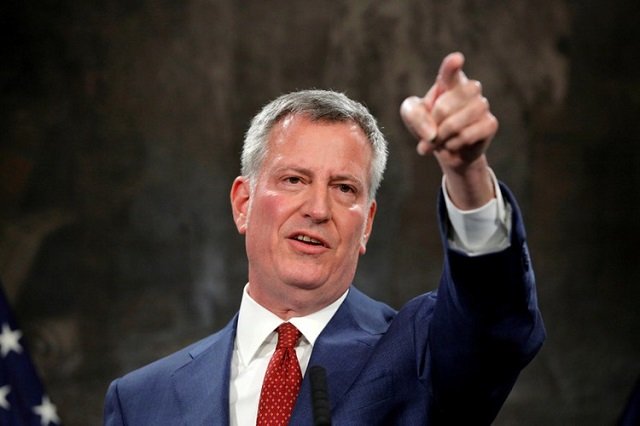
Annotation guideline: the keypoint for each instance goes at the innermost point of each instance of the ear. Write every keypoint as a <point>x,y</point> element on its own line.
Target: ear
<point>368,227</point>
<point>240,194</point>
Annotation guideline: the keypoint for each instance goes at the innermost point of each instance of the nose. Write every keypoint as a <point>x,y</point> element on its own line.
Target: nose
<point>317,205</point>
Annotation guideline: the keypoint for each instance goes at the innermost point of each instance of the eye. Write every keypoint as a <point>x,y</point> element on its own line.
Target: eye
<point>343,187</point>
<point>294,180</point>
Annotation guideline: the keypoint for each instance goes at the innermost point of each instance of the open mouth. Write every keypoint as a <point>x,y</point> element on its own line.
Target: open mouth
<point>309,240</point>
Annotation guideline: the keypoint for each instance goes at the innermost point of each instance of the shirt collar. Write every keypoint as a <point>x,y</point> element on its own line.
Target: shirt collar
<point>256,323</point>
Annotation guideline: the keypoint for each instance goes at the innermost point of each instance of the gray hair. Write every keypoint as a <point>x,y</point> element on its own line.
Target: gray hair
<point>318,105</point>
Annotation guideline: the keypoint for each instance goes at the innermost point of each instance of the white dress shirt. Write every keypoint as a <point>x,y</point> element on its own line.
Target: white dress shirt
<point>475,232</point>
<point>484,230</point>
<point>255,343</point>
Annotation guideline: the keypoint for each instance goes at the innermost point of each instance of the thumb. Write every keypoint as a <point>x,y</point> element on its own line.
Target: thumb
<point>418,119</point>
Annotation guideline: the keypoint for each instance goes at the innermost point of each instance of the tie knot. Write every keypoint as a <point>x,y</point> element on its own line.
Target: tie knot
<point>288,335</point>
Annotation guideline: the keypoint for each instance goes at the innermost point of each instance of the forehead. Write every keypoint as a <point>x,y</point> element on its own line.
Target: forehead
<point>298,136</point>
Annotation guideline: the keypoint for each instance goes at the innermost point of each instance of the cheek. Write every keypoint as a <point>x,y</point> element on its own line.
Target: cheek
<point>355,224</point>
<point>267,212</point>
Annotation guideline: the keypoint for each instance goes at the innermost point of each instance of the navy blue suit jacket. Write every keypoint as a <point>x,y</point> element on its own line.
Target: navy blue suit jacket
<point>447,357</point>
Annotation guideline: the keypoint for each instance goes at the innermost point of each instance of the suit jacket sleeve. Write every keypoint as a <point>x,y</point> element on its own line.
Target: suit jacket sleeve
<point>486,327</point>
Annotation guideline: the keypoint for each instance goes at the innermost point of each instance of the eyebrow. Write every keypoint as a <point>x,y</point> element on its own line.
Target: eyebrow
<point>334,178</point>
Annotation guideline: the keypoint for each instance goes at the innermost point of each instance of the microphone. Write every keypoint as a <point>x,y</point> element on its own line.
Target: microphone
<point>320,396</point>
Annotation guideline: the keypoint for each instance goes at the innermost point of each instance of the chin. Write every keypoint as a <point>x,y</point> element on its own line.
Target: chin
<point>319,285</point>
<point>304,282</point>
<point>306,277</point>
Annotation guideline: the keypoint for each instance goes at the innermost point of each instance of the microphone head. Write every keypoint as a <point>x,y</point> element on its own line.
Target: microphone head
<point>320,396</point>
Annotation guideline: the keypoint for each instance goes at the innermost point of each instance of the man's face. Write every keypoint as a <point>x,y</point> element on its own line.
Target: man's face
<point>309,216</point>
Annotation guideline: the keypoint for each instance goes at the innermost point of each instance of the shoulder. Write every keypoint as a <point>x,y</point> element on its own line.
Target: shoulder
<point>375,317</point>
<point>371,315</point>
<point>158,372</point>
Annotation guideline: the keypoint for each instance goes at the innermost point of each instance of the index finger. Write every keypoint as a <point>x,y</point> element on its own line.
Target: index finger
<point>450,74</point>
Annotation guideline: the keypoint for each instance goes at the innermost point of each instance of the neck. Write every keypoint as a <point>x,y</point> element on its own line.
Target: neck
<point>293,303</point>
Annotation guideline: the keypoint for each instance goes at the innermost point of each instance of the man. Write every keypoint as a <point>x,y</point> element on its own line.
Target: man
<point>305,202</point>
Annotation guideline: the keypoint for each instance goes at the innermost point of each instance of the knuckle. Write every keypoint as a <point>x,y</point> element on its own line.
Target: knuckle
<point>473,88</point>
<point>493,122</point>
<point>482,105</point>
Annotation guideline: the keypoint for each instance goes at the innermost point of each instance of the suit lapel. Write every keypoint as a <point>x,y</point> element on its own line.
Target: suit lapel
<point>343,348</point>
<point>202,385</point>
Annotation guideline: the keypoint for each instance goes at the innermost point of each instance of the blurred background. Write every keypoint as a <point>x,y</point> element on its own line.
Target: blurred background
<point>121,127</point>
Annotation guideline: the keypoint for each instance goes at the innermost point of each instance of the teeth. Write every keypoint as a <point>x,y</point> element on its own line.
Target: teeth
<point>307,239</point>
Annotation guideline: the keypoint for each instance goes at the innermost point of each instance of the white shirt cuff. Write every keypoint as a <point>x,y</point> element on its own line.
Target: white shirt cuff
<point>484,230</point>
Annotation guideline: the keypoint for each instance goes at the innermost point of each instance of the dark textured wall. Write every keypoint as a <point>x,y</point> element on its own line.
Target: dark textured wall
<point>121,127</point>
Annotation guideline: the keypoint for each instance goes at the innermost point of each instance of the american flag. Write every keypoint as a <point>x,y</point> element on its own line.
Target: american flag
<point>23,401</point>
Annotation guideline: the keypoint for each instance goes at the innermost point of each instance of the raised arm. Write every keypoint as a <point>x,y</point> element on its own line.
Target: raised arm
<point>486,325</point>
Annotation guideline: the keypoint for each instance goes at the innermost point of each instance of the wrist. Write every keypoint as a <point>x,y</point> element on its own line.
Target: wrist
<point>470,187</point>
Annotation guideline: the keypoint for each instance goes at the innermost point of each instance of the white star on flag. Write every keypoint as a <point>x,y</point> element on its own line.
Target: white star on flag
<point>47,412</point>
<point>9,340</point>
<point>20,386</point>
<point>4,391</point>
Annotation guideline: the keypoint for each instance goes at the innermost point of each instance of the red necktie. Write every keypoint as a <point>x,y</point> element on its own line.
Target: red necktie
<point>282,380</point>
